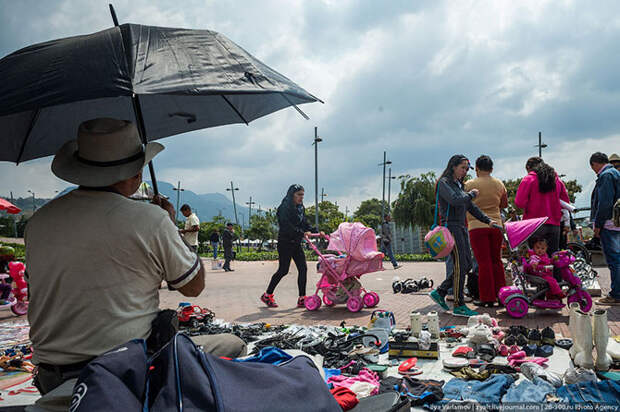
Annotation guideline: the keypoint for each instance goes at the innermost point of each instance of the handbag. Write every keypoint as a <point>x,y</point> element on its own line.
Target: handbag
<point>439,241</point>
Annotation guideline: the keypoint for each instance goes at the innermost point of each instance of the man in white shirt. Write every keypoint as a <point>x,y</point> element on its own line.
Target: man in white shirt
<point>96,258</point>
<point>192,227</point>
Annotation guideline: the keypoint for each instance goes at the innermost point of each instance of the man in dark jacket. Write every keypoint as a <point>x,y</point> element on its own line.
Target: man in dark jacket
<point>227,241</point>
<point>604,196</point>
<point>386,241</point>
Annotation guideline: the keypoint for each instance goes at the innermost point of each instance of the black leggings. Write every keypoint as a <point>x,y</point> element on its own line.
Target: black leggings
<point>286,251</point>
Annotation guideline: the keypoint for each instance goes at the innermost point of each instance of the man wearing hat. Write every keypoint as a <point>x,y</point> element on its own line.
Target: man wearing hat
<point>227,241</point>
<point>614,159</point>
<point>96,258</point>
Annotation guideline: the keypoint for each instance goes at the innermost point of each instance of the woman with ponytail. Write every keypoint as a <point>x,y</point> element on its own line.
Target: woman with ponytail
<point>293,226</point>
<point>539,195</point>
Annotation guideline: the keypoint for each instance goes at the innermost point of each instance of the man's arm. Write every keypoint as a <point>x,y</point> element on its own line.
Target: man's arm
<point>192,229</point>
<point>195,286</point>
<point>604,208</point>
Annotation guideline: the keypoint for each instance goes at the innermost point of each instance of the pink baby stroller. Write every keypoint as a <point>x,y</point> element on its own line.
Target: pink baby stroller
<point>530,289</point>
<point>357,255</point>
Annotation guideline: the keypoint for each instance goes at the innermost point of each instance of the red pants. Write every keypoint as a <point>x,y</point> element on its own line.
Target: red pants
<point>487,246</point>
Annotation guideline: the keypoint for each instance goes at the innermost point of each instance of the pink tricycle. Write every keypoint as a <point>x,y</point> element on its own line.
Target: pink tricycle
<point>531,290</point>
<point>13,287</point>
<point>356,246</point>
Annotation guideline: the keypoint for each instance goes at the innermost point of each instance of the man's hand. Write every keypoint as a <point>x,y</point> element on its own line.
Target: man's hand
<point>597,232</point>
<point>474,192</point>
<point>307,234</point>
<point>494,224</point>
<point>322,233</point>
<point>164,204</point>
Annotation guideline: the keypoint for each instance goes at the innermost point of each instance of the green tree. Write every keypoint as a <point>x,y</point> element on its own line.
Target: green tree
<point>369,207</point>
<point>371,221</point>
<point>415,204</point>
<point>329,216</point>
<point>262,227</point>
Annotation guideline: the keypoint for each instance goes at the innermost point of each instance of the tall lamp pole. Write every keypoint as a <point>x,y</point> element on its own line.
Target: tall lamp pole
<point>178,189</point>
<point>390,177</point>
<point>323,194</point>
<point>33,204</point>
<point>316,142</point>
<point>385,162</point>
<point>14,219</point>
<point>250,203</point>
<point>540,144</point>
<point>232,189</point>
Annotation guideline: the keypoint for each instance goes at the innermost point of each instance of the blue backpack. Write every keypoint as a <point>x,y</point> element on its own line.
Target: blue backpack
<point>181,377</point>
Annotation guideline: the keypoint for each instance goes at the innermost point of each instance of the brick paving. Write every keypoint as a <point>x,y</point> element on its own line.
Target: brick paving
<point>234,297</point>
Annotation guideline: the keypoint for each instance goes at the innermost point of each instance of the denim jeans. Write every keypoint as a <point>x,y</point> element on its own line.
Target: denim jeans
<point>610,241</point>
<point>529,391</point>
<point>214,246</point>
<point>487,391</point>
<point>606,392</point>
<point>386,248</point>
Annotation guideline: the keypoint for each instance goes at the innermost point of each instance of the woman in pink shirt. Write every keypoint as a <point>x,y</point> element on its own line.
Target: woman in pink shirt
<point>539,195</point>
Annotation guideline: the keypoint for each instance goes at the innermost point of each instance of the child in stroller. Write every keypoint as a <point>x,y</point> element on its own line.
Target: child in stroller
<point>530,289</point>
<point>540,264</point>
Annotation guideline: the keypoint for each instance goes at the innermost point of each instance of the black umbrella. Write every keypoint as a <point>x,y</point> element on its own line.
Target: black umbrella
<point>168,80</point>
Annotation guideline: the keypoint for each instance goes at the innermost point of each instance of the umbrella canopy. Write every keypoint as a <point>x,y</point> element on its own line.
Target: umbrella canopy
<point>519,231</point>
<point>9,207</point>
<point>184,80</point>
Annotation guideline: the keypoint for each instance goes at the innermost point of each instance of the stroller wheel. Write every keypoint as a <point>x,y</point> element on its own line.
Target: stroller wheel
<point>328,301</point>
<point>583,298</point>
<point>516,306</point>
<point>312,302</point>
<point>371,299</point>
<point>355,304</point>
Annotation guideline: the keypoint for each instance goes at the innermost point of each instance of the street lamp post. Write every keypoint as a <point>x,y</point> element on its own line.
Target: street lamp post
<point>33,204</point>
<point>323,194</point>
<point>540,144</point>
<point>14,219</point>
<point>316,142</point>
<point>250,203</point>
<point>385,162</point>
<point>232,189</point>
<point>390,177</point>
<point>178,189</point>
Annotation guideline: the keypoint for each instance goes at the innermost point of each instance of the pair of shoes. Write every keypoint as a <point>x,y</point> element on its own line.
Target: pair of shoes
<point>591,331</point>
<point>463,311</point>
<point>268,300</point>
<point>438,299</point>
<point>608,301</point>
<point>301,302</point>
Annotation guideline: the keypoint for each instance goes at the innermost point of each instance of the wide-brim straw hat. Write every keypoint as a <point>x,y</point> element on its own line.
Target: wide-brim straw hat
<point>106,151</point>
<point>614,158</point>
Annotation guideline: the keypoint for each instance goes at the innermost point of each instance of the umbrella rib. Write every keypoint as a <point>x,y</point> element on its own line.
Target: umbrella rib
<point>32,123</point>
<point>305,116</point>
<point>235,109</point>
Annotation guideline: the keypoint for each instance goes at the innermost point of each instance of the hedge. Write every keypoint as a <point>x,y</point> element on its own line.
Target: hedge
<point>20,250</point>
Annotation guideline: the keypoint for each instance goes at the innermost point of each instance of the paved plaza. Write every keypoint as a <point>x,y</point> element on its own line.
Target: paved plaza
<point>234,297</point>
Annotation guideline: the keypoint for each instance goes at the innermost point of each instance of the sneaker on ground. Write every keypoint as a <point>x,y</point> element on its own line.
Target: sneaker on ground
<point>269,300</point>
<point>463,311</point>
<point>301,302</point>
<point>438,299</point>
<point>534,337</point>
<point>398,267</point>
<point>548,336</point>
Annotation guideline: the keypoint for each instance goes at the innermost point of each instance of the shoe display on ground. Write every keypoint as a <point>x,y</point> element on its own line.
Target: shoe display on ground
<point>521,340</point>
<point>268,300</point>
<point>510,340</point>
<point>438,299</point>
<point>463,311</point>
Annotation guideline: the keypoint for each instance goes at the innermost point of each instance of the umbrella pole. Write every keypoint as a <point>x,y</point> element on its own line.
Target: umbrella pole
<point>137,109</point>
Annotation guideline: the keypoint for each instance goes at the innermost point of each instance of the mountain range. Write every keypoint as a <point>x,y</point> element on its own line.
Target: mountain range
<point>204,205</point>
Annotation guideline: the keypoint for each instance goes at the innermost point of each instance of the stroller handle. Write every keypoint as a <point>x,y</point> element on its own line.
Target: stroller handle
<point>316,235</point>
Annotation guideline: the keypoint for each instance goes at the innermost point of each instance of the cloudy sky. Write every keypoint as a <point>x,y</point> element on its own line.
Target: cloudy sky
<point>421,80</point>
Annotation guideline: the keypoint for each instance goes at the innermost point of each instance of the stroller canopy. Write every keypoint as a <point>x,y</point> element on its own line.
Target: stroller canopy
<point>355,239</point>
<point>521,230</point>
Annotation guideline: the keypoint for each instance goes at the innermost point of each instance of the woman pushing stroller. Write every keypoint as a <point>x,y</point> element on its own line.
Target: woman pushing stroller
<point>293,226</point>
<point>454,203</point>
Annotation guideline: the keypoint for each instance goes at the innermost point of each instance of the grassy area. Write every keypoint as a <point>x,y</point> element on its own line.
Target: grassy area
<point>253,256</point>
